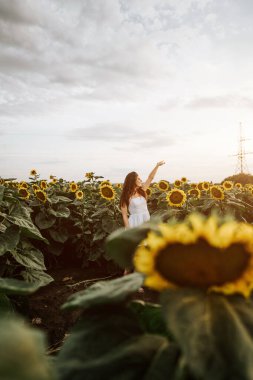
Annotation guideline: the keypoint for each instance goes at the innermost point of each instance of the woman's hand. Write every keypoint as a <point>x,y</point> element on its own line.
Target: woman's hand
<point>160,163</point>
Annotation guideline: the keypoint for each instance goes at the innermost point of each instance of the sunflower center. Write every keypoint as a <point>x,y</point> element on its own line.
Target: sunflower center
<point>163,185</point>
<point>107,192</point>
<point>201,265</point>
<point>216,193</point>
<point>176,197</point>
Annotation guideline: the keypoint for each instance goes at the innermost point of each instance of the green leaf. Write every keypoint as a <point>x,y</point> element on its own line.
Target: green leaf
<point>59,198</point>
<point>44,221</point>
<point>166,364</point>
<point>29,256</point>
<point>2,188</point>
<point>60,235</point>
<point>61,212</point>
<point>6,307</point>
<point>38,277</point>
<point>149,316</point>
<point>108,344</point>
<point>105,292</point>
<point>99,235</point>
<point>122,243</point>
<point>27,227</point>
<point>212,332</point>
<point>108,225</point>
<point>13,286</point>
<point>9,239</point>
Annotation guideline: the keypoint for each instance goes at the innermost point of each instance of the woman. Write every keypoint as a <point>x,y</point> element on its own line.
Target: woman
<point>134,198</point>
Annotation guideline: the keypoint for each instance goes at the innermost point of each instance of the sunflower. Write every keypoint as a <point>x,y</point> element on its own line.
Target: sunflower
<point>107,192</point>
<point>227,185</point>
<point>163,185</point>
<point>193,186</point>
<point>176,197</point>
<point>23,184</point>
<point>52,176</point>
<point>198,253</point>
<point>200,186</point>
<point>54,180</point>
<point>23,193</point>
<point>217,192</point>
<point>41,195</point>
<point>106,182</point>
<point>177,183</point>
<point>35,187</point>
<point>118,185</point>
<point>33,172</point>
<point>238,185</point>
<point>73,187</point>
<point>184,179</point>
<point>205,185</point>
<point>1,181</point>
<point>43,184</point>
<point>79,195</point>
<point>194,193</point>
<point>149,191</point>
<point>89,175</point>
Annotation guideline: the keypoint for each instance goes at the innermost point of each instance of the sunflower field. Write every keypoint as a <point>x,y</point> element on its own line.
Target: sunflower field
<point>195,256</point>
<point>41,220</point>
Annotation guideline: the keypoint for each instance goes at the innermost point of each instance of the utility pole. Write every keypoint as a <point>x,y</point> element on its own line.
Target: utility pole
<point>241,161</point>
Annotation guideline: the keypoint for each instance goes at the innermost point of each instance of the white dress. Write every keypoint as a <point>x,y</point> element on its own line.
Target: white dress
<point>138,211</point>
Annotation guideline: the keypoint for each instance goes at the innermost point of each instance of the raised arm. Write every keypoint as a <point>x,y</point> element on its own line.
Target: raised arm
<point>151,176</point>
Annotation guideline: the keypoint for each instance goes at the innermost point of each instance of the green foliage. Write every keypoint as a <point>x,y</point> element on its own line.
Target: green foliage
<point>214,332</point>
<point>18,233</point>
<point>116,338</point>
<point>105,292</point>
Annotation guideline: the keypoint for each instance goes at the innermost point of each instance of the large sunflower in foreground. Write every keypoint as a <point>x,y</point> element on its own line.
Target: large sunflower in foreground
<point>107,192</point>
<point>163,185</point>
<point>217,192</point>
<point>176,197</point>
<point>198,253</point>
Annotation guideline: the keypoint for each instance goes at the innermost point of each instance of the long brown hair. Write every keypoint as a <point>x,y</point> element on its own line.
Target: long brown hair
<point>128,189</point>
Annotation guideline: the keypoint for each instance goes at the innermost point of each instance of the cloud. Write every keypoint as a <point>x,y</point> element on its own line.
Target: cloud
<point>126,137</point>
<point>225,101</point>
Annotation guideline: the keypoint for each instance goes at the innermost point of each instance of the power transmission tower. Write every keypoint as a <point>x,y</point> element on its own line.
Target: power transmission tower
<point>241,161</point>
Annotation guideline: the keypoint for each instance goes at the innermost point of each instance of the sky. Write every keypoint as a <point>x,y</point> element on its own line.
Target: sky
<point>113,86</point>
